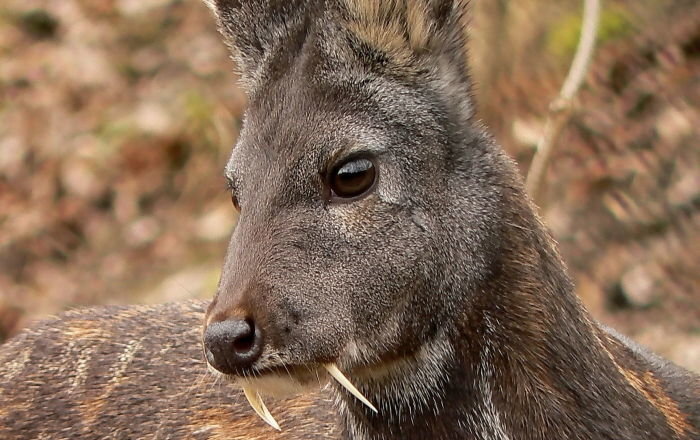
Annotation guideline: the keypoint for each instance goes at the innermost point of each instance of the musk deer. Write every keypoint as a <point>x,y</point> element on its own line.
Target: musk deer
<point>384,241</point>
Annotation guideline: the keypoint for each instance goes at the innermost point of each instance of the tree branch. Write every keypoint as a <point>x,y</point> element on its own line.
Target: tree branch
<point>561,108</point>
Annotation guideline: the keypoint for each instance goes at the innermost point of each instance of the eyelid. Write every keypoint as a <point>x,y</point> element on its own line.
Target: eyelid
<point>343,157</point>
<point>354,151</point>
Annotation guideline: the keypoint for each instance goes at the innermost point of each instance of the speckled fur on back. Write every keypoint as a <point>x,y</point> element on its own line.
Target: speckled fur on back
<point>439,292</point>
<point>132,373</point>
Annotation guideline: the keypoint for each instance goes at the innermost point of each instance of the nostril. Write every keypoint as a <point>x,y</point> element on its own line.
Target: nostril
<point>232,345</point>
<point>245,341</point>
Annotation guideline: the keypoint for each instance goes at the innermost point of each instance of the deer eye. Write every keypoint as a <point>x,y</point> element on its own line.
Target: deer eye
<point>352,178</point>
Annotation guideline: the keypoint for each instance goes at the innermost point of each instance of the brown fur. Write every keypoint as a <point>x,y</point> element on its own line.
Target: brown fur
<point>650,387</point>
<point>438,292</point>
<point>150,382</point>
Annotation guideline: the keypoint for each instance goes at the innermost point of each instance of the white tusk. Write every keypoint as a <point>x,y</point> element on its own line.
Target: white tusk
<point>342,380</point>
<point>259,406</point>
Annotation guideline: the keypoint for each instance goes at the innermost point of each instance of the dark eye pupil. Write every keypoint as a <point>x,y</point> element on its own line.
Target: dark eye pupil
<point>353,178</point>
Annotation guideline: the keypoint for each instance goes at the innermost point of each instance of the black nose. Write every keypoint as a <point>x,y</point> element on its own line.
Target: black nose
<point>233,345</point>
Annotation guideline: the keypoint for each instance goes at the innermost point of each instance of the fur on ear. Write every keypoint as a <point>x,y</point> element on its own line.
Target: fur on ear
<point>407,29</point>
<point>425,38</point>
<point>398,37</point>
<point>254,29</point>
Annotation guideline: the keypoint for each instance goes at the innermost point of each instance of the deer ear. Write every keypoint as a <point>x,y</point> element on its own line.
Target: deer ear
<point>408,29</point>
<point>254,28</point>
<point>415,36</point>
<point>451,19</point>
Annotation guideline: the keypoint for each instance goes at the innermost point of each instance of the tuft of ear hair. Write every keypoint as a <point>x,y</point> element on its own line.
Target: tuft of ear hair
<point>412,36</point>
<point>405,30</point>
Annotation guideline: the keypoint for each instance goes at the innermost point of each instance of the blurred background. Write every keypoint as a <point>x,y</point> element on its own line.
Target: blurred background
<point>117,116</point>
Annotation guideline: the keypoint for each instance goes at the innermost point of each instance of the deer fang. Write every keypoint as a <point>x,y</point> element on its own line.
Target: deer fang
<point>342,380</point>
<point>259,406</point>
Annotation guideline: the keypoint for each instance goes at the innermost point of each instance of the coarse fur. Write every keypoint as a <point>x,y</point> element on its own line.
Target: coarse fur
<point>440,293</point>
<point>133,372</point>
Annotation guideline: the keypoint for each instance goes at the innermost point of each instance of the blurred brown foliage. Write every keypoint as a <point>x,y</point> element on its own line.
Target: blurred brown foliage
<point>116,117</point>
<point>623,197</point>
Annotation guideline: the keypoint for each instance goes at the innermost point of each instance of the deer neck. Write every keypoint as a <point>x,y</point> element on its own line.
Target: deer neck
<point>520,354</point>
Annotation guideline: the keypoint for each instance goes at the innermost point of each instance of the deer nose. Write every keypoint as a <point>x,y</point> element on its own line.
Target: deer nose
<point>232,345</point>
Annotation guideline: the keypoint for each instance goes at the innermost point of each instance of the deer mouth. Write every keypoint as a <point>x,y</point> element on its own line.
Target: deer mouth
<point>285,380</point>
